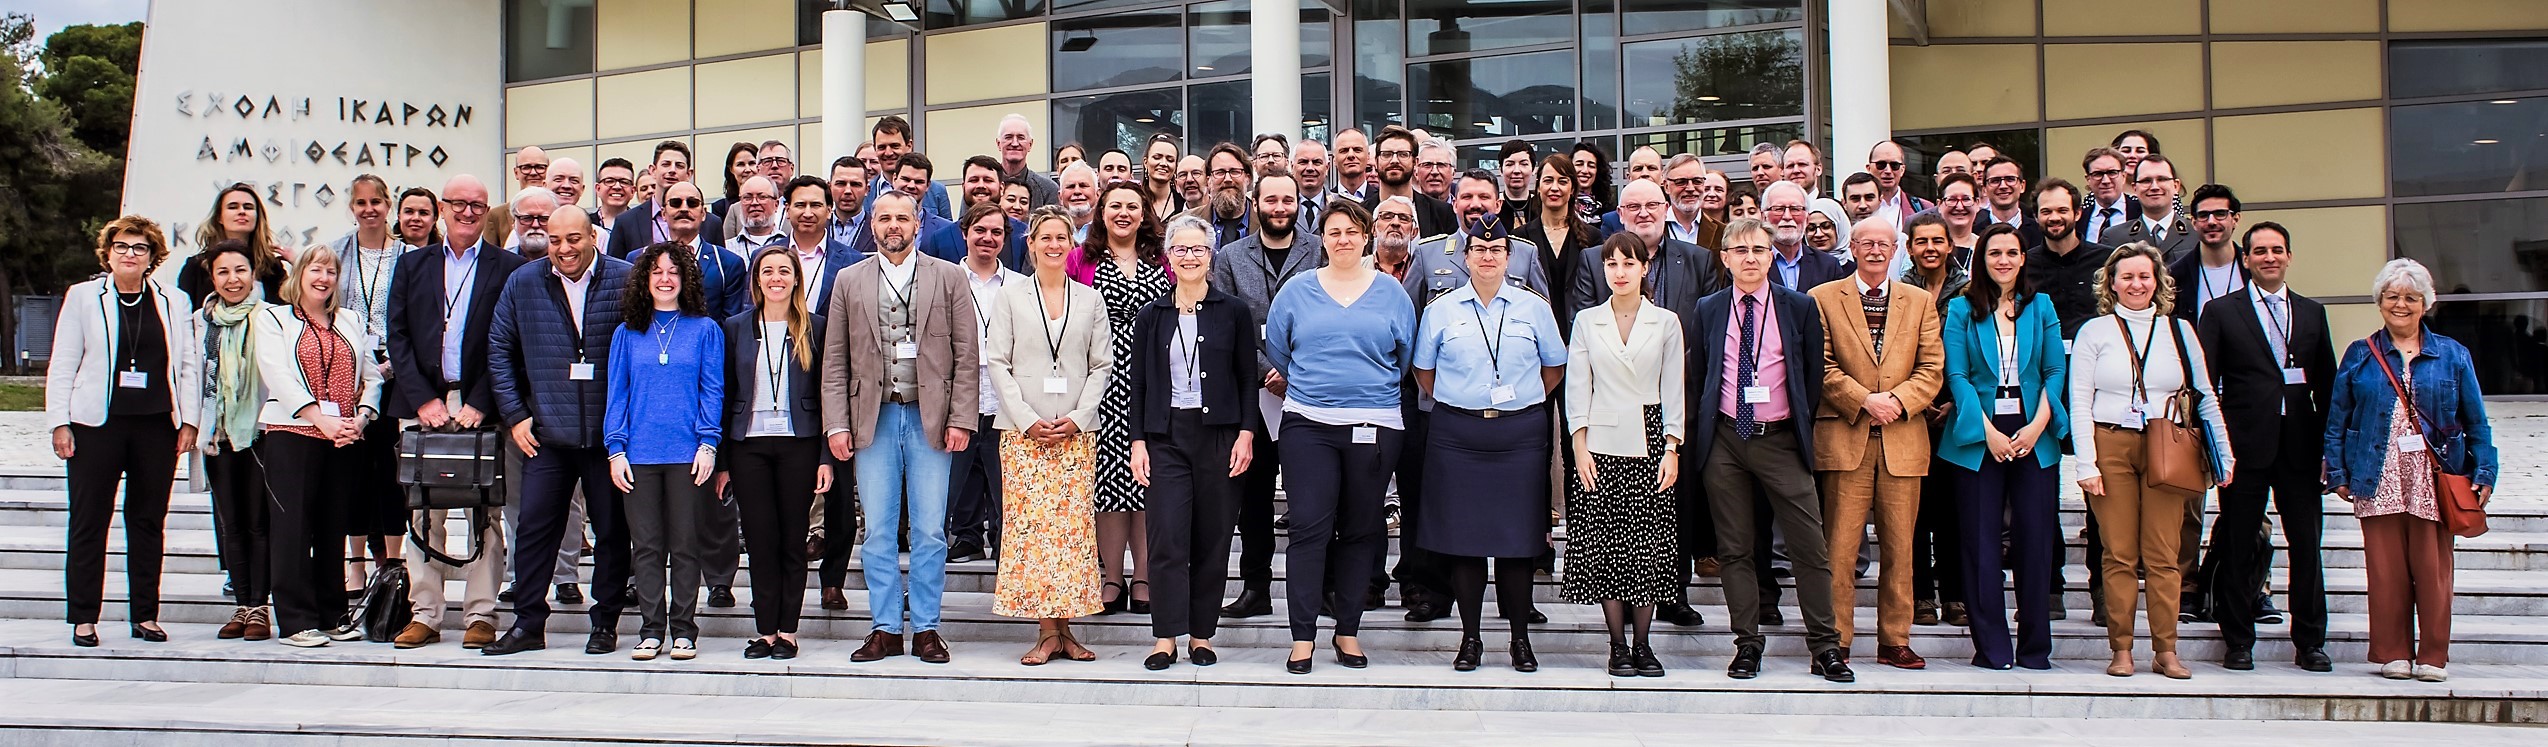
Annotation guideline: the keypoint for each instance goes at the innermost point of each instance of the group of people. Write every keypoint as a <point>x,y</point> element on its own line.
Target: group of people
<point>1096,376</point>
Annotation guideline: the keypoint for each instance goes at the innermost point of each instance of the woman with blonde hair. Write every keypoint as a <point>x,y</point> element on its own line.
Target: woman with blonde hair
<point>321,393</point>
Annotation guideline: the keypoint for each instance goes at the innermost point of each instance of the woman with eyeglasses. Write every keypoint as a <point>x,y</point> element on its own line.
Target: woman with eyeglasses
<point>774,455</point>
<point>1194,382</point>
<point>320,396</point>
<point>118,397</point>
<point>1343,340</point>
<point>1960,205</point>
<point>1049,354</point>
<point>237,213</point>
<point>662,425</point>
<point>1122,260</point>
<point>1825,224</point>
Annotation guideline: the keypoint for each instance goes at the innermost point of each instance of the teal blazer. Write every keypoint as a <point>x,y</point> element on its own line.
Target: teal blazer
<point>1972,369</point>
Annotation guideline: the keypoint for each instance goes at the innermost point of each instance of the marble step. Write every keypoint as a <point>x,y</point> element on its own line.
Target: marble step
<point>1572,628</point>
<point>1249,677</point>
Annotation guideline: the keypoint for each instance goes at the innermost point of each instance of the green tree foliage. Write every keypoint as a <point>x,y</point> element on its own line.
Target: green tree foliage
<point>89,70</point>
<point>55,191</point>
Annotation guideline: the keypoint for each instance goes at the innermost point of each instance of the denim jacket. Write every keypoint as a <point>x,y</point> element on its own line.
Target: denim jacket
<point>2445,389</point>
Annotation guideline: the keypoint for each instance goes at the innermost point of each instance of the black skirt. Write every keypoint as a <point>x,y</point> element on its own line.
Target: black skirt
<point>1486,485</point>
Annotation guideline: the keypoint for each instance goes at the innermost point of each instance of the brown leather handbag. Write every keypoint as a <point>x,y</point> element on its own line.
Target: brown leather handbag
<point>2176,448</point>
<point>2454,495</point>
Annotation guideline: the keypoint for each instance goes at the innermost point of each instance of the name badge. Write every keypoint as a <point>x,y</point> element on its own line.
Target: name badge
<point>579,371</point>
<point>1056,385</point>
<point>330,409</point>
<point>1260,332</point>
<point>906,350</point>
<point>769,420</point>
<point>1756,395</point>
<point>2065,347</point>
<point>1366,434</point>
<point>2008,406</point>
<point>2410,445</point>
<point>2295,376</point>
<point>133,379</point>
<point>1501,394</point>
<point>2132,419</point>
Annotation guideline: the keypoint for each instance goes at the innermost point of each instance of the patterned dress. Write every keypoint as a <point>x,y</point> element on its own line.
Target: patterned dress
<point>1620,531</point>
<point>2406,478</point>
<point>1048,551</point>
<point>1124,297</point>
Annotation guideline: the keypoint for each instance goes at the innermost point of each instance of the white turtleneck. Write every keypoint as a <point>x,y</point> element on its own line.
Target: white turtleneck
<point>2100,374</point>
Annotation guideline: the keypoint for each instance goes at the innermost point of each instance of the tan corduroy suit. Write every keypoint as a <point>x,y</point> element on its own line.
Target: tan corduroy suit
<point>1866,466</point>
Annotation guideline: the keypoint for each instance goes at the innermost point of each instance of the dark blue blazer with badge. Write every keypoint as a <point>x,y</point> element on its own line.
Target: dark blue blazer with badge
<point>416,331</point>
<point>1800,330</point>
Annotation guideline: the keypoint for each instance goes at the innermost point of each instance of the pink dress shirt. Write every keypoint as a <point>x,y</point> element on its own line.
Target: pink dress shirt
<point>1769,370</point>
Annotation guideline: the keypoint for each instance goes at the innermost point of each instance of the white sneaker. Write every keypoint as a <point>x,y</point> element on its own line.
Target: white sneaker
<point>646,649</point>
<point>683,649</point>
<point>351,632</point>
<point>312,638</point>
<point>2429,673</point>
<point>2398,670</point>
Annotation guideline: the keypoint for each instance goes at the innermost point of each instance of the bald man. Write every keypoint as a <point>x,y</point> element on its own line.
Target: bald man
<point>439,372</point>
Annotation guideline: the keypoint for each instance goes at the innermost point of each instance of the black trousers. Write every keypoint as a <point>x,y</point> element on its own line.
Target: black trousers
<point>1193,503</point>
<point>973,492</point>
<point>241,512</point>
<point>1420,572</point>
<point>141,452</point>
<point>1936,539</point>
<point>773,484</point>
<point>1336,490</point>
<point>1256,515</point>
<point>2291,481</point>
<point>840,526</point>
<point>546,492</point>
<point>308,477</point>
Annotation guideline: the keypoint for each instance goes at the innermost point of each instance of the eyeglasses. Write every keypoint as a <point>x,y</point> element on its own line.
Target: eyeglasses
<point>1648,207</point>
<point>1486,248</point>
<point>776,161</point>
<point>1887,165</point>
<point>2214,214</point>
<point>1686,181</point>
<point>1792,209</point>
<point>129,249</point>
<point>1957,200</point>
<point>1396,154</point>
<point>1189,250</point>
<point>758,198</point>
<point>2002,181</point>
<point>2104,174</point>
<point>461,206</point>
<point>1871,243</point>
<point>2150,180</point>
<point>1822,227</point>
<point>530,167</point>
<point>531,220</point>
<point>1227,173</point>
<point>617,181</point>
<point>681,202</point>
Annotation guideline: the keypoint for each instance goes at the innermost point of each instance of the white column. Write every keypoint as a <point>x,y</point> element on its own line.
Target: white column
<point>1274,38</point>
<point>844,84</point>
<point>1861,83</point>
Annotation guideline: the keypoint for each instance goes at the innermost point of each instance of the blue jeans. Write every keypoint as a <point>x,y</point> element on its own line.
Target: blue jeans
<point>900,472</point>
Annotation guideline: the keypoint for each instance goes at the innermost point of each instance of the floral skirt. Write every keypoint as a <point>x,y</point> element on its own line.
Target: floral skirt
<point>1048,543</point>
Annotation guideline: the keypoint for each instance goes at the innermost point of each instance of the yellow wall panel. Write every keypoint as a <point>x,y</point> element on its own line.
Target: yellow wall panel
<point>988,63</point>
<point>1992,84</point>
<point>2180,139</point>
<point>548,113</point>
<point>810,158</point>
<point>629,33</point>
<point>809,84</point>
<point>713,179</point>
<point>736,26</point>
<point>2295,16</point>
<point>639,103</point>
<point>2282,157</point>
<point>889,71</point>
<point>583,157</point>
<point>2335,251</point>
<point>2105,18</point>
<point>2348,322</point>
<point>2294,72</point>
<point>2467,15</point>
<point>2084,79</point>
<point>753,89</point>
<point>1953,18</point>
<point>956,133</point>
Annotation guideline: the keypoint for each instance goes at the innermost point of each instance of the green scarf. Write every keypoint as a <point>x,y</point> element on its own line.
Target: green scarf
<point>234,372</point>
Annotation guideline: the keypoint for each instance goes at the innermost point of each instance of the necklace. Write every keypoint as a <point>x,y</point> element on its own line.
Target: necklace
<point>663,342</point>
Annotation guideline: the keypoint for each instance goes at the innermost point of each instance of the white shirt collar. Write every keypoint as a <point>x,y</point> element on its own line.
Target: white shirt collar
<point>1864,289</point>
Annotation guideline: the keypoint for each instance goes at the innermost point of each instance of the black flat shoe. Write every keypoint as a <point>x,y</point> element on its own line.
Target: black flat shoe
<point>720,597</point>
<point>147,634</point>
<point>1621,664</point>
<point>2314,660</point>
<point>514,642</point>
<point>1351,661</point>
<point>757,649</point>
<point>1833,666</point>
<point>1678,613</point>
<point>1133,605</point>
<point>1642,656</point>
<point>1297,666</point>
<point>1160,660</point>
<point>2239,661</point>
<point>84,641</point>
<point>1537,617</point>
<point>783,650</point>
<point>1523,659</point>
<point>1203,656</point>
<point>1471,650</point>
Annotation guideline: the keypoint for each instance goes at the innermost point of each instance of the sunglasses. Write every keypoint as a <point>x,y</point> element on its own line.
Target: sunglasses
<point>681,202</point>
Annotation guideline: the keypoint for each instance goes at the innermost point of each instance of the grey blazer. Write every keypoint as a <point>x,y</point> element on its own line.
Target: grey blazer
<point>2180,240</point>
<point>1438,266</point>
<point>854,350</point>
<point>1019,356</point>
<point>1241,269</point>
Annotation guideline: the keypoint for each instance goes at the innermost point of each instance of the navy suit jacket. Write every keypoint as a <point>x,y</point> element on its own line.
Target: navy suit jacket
<point>416,329</point>
<point>634,230</point>
<point>1800,329</point>
<point>836,257</point>
<point>724,283</point>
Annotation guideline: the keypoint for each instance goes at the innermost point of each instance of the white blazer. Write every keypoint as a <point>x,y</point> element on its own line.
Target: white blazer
<point>1609,382</point>
<point>81,376</point>
<point>279,365</point>
<point>1019,357</point>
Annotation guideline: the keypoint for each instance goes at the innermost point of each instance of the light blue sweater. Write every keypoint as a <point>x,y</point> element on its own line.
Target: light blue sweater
<point>1341,356</point>
<point>651,398</point>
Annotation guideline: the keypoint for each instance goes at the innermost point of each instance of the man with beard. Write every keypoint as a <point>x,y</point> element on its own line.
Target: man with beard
<point>1435,168</point>
<point>1886,162</point>
<point>1017,138</point>
<point>1437,265</point>
<point>1794,266</point>
<point>1394,161</point>
<point>1079,197</point>
<point>1353,165</point>
<point>2065,268</point>
<point>981,186</point>
<point>1189,181</point>
<point>1226,178</point>
<point>776,164</point>
<point>1268,151</point>
<point>1858,197</point>
<point>1686,180</point>
<point>721,274</point>
<point>1393,228</point>
<point>1516,166</point>
<point>1254,268</point>
<point>531,210</point>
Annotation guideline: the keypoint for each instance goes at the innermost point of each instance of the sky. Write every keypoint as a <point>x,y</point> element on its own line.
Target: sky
<point>52,15</point>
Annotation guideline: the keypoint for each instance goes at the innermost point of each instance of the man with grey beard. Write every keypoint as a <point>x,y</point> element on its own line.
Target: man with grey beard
<point>531,210</point>
<point>1079,197</point>
<point>1393,227</point>
<point>1226,176</point>
<point>756,207</point>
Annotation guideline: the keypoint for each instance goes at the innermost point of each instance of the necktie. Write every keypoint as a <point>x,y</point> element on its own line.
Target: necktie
<point>2105,221</point>
<point>2282,327</point>
<point>1744,363</point>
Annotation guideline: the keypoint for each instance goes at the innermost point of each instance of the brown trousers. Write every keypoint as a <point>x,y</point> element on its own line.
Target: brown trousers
<point>2141,527</point>
<point>2407,561</point>
<point>1848,496</point>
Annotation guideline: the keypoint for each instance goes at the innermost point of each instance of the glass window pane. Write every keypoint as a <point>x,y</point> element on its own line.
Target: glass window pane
<point>946,14</point>
<point>1379,66</point>
<point>1600,46</point>
<point>1923,151</point>
<point>1222,112</point>
<point>1217,37</point>
<point>1716,78</point>
<point>2456,66</point>
<point>2485,246</point>
<point>1060,6</point>
<point>1662,16</point>
<point>1715,142</point>
<point>2473,147</point>
<point>546,40</point>
<point>1119,49</point>
<point>1525,94</point>
<point>1452,26</point>
<point>1117,120</point>
<point>2507,339</point>
<point>1315,107</point>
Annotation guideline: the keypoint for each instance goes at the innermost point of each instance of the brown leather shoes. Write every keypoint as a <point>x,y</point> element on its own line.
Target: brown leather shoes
<point>1900,657</point>
<point>833,599</point>
<point>1710,567</point>
<point>418,635</point>
<point>929,647</point>
<point>881,644</point>
<point>478,635</point>
<point>260,625</point>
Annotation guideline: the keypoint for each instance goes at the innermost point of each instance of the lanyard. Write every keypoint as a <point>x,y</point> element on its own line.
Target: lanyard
<point>2277,324</point>
<point>1494,341</point>
<point>375,296</point>
<point>773,361</point>
<point>1052,342</point>
<point>2140,357</point>
<point>451,299</point>
<point>327,370</point>
<point>1186,343</point>
<point>127,347</point>
<point>2007,358</point>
